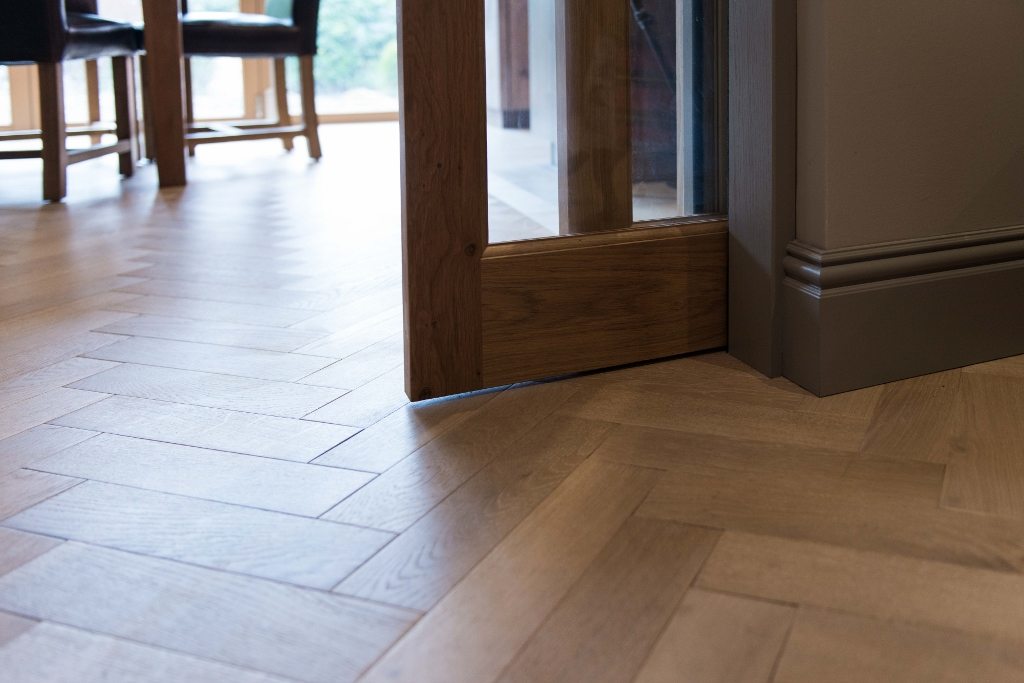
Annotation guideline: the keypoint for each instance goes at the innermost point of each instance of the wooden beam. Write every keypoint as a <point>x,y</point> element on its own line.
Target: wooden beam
<point>444,198</point>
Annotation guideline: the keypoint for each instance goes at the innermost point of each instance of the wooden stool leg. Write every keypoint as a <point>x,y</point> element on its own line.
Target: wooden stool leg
<point>190,115</point>
<point>309,117</point>
<point>92,92</point>
<point>147,110</point>
<point>284,118</point>
<point>124,102</point>
<point>54,132</point>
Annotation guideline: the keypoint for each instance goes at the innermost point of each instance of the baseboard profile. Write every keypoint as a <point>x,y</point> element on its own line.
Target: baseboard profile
<point>858,317</point>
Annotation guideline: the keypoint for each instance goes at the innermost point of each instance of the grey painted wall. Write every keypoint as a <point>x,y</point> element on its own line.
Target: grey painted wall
<point>911,119</point>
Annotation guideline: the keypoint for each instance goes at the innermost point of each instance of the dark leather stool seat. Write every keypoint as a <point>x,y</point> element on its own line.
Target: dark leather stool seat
<point>91,36</point>
<point>235,34</point>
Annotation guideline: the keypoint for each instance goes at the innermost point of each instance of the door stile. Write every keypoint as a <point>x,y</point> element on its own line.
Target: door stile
<point>444,192</point>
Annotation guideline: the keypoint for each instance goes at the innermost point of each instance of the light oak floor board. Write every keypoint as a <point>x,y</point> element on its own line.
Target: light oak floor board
<point>914,417</point>
<point>278,298</point>
<point>263,483</point>
<point>410,489</point>
<point>283,399</point>
<point>383,445</point>
<point>226,430</point>
<point>718,638</point>
<point>872,584</point>
<point>24,488</point>
<point>223,360</point>
<point>11,627</point>
<point>478,628</point>
<point>28,447</point>
<point>285,630</point>
<point>368,404</point>
<point>603,629</point>
<point>195,309</point>
<point>427,560</point>
<point>361,367</point>
<point>36,382</point>
<point>214,332</point>
<point>17,548</point>
<point>271,545</point>
<point>60,654</point>
<point>54,351</point>
<point>732,414</point>
<point>986,470</point>
<point>844,648</point>
<point>44,407</point>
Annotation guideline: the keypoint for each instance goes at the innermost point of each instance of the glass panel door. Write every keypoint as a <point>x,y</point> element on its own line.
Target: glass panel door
<point>602,116</point>
<point>563,203</point>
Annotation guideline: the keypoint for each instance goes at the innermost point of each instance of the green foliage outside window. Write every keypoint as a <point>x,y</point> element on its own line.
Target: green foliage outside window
<point>357,46</point>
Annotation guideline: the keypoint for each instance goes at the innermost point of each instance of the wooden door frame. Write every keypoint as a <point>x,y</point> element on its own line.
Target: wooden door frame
<point>762,175</point>
<point>465,300</point>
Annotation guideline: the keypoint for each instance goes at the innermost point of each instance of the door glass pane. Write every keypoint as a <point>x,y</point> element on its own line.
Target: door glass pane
<point>602,114</point>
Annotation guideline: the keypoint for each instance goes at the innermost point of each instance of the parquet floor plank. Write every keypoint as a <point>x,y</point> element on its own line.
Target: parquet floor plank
<point>263,483</point>
<point>225,430</point>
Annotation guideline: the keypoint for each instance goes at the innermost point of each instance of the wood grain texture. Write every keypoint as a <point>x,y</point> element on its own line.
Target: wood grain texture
<point>985,473</point>
<point>381,446</point>
<point>264,483</point>
<point>361,367</point>
<point>226,430</point>
<point>195,309</point>
<point>270,545</point>
<point>410,489</point>
<point>568,310</point>
<point>44,407</point>
<point>17,548</point>
<point>417,569</point>
<point>872,584</point>
<point>224,360</point>
<point>690,410</point>
<point>366,405</point>
<point>914,417</point>
<point>603,629</point>
<point>272,627</point>
<point>470,637</point>
<point>283,399</point>
<point>214,332</point>
<point>48,378</point>
<point>304,301</point>
<point>24,488</point>
<point>59,654</point>
<point>444,155</point>
<point>25,448</point>
<point>718,638</point>
<point>843,648</point>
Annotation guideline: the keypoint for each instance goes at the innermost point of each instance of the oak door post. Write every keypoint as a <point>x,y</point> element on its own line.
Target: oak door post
<point>444,192</point>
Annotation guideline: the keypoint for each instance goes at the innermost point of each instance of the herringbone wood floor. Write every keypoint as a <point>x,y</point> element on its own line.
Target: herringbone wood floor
<point>208,472</point>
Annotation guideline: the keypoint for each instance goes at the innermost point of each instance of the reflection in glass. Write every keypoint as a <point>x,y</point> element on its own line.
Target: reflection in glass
<point>603,114</point>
